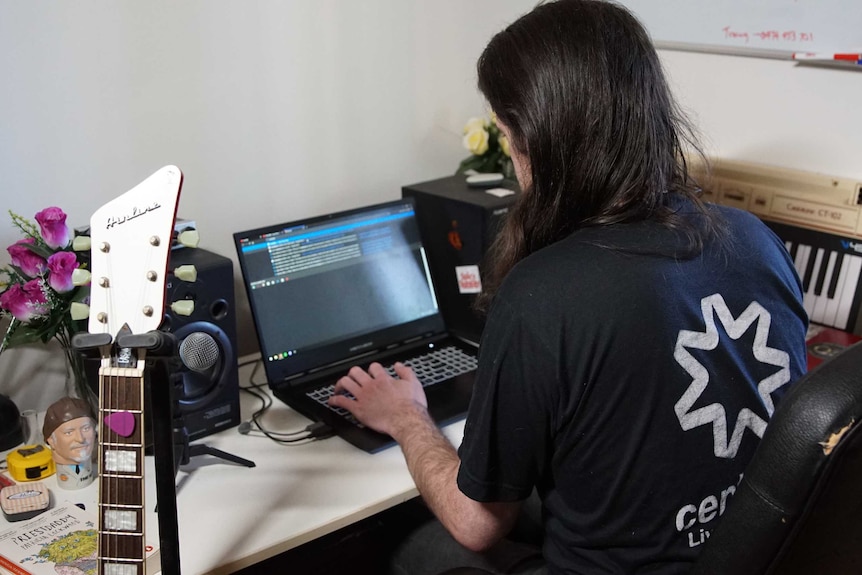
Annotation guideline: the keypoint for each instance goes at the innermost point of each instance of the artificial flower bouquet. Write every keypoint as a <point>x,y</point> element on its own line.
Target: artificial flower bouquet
<point>489,148</point>
<point>46,287</point>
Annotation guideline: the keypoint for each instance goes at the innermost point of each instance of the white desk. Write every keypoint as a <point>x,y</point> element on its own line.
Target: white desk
<point>232,516</point>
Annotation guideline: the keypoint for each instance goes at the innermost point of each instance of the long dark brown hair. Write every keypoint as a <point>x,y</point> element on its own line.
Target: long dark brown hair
<point>581,89</point>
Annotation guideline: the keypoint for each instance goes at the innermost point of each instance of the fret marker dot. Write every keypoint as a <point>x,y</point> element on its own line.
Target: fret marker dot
<point>122,423</point>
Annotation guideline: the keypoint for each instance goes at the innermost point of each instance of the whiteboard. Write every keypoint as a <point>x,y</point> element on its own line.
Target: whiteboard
<point>766,28</point>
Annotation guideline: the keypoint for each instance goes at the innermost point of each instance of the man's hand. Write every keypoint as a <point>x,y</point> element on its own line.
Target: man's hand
<point>380,401</point>
<point>398,407</point>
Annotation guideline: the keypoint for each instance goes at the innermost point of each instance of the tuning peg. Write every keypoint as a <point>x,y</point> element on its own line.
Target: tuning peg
<point>189,238</point>
<point>80,277</point>
<point>187,273</point>
<point>79,311</point>
<point>183,307</point>
<point>81,243</point>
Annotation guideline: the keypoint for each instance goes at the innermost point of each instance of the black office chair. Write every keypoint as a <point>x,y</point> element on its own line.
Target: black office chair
<point>798,509</point>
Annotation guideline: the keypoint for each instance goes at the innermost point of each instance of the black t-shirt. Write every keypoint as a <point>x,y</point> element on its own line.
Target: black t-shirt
<point>632,388</point>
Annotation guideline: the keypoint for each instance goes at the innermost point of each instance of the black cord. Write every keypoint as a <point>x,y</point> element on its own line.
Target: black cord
<point>310,432</point>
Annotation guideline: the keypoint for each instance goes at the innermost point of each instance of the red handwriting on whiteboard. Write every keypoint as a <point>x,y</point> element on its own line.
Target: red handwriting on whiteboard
<point>767,35</point>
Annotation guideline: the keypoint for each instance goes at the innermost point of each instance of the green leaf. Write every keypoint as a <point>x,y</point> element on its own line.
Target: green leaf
<point>40,249</point>
<point>471,163</point>
<point>22,337</point>
<point>80,294</point>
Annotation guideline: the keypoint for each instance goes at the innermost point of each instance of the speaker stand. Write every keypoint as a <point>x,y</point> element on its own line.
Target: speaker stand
<point>184,451</point>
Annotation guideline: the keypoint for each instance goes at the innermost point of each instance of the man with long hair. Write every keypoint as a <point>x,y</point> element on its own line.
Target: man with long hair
<point>637,339</point>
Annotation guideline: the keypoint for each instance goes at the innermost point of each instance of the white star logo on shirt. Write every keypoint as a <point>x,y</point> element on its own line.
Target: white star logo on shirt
<point>714,306</point>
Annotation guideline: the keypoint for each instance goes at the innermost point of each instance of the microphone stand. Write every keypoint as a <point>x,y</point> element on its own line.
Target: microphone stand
<point>169,453</point>
<point>161,399</point>
<point>184,450</point>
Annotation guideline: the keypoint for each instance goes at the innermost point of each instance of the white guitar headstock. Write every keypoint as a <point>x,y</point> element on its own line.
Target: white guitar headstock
<point>131,242</point>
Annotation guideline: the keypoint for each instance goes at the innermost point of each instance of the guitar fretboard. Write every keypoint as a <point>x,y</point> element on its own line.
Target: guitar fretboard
<point>122,541</point>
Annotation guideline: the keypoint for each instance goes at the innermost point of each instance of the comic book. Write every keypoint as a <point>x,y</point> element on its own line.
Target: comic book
<point>63,540</point>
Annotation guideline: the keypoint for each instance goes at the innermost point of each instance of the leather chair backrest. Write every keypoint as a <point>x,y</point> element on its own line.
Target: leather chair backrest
<point>798,509</point>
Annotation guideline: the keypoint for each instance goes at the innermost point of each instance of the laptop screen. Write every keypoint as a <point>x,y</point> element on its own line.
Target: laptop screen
<point>336,287</point>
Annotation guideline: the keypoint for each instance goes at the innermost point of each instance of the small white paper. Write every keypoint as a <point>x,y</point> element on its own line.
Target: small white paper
<point>499,192</point>
<point>469,280</point>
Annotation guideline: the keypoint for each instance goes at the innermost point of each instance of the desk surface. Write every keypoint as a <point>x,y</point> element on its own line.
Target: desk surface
<point>232,516</point>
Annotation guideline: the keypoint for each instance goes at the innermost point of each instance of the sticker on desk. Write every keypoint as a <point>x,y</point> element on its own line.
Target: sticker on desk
<point>469,280</point>
<point>499,192</point>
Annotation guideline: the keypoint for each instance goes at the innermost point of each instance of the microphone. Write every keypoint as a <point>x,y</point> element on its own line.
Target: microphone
<point>199,351</point>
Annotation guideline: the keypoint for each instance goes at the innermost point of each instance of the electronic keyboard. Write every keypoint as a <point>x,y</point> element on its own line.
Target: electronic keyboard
<point>829,266</point>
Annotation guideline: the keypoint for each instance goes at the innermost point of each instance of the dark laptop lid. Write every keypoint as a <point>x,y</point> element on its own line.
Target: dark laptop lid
<point>337,287</point>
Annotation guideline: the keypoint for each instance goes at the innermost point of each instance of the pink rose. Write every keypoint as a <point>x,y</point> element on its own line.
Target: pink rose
<point>25,302</point>
<point>31,264</point>
<point>61,265</point>
<point>55,232</point>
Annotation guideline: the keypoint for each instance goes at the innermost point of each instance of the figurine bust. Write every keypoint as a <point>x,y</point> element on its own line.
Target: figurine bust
<point>70,431</point>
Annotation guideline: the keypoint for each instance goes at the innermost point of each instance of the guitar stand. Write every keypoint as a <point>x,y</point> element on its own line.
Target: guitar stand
<point>160,399</point>
<point>158,388</point>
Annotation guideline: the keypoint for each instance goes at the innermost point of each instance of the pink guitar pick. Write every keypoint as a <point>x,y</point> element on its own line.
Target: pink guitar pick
<point>122,423</point>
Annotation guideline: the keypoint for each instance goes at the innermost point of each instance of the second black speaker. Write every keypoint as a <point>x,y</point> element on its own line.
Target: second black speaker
<point>207,400</point>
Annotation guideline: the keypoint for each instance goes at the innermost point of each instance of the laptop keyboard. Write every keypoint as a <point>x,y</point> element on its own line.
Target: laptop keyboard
<point>432,367</point>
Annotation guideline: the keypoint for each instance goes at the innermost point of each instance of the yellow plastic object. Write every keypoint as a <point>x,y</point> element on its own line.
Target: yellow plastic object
<point>31,463</point>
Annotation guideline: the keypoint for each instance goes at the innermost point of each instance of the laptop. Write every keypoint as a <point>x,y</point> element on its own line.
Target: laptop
<point>344,289</point>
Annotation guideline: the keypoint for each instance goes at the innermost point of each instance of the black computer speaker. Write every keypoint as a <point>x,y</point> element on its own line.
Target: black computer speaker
<point>206,392</point>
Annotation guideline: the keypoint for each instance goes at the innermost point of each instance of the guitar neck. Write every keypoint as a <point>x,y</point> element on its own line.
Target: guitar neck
<point>122,541</point>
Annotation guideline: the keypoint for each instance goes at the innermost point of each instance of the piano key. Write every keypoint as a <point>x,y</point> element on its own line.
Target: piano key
<point>830,273</point>
<point>810,267</point>
<point>848,291</point>
<point>832,314</point>
<point>809,298</point>
<point>825,272</point>
<point>832,282</point>
<point>800,260</point>
<point>833,285</point>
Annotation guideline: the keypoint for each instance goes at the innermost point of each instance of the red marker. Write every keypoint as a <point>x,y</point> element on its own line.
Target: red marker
<point>849,57</point>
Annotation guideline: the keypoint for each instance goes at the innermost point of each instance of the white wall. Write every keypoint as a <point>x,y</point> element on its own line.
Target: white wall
<point>276,110</point>
<point>773,111</point>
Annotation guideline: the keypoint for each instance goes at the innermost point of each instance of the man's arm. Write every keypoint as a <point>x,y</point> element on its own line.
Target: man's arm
<point>398,407</point>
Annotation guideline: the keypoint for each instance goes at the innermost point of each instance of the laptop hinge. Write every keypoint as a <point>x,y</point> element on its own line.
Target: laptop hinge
<point>361,359</point>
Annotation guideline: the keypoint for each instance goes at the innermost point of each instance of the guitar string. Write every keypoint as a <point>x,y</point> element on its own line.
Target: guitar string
<point>135,386</point>
<point>107,402</point>
<point>150,292</point>
<point>111,540</point>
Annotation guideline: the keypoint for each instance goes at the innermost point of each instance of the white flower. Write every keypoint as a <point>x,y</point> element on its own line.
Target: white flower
<point>476,141</point>
<point>475,124</point>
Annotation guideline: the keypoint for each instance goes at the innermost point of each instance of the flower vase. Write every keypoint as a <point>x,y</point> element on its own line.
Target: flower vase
<point>77,382</point>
